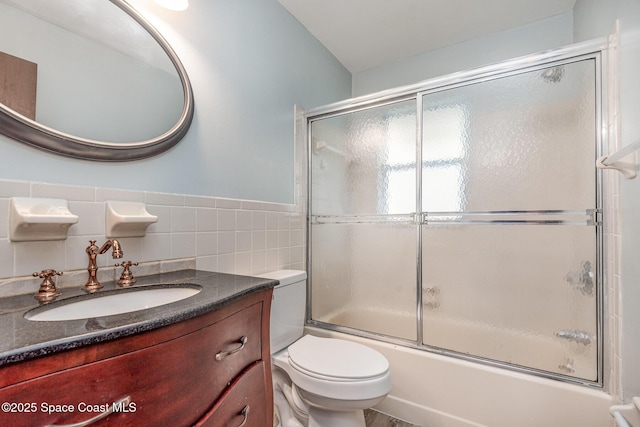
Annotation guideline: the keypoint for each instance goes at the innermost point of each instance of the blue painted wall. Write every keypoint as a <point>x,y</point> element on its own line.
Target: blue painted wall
<point>249,62</point>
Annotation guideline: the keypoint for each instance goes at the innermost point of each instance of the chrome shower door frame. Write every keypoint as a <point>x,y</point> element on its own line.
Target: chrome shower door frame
<point>589,50</point>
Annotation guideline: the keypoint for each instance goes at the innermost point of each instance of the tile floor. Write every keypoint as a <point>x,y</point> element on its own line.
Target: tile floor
<point>378,419</point>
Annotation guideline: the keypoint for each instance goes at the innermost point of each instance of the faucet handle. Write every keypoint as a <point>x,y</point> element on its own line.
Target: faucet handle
<point>47,291</point>
<point>126,279</point>
<point>47,273</point>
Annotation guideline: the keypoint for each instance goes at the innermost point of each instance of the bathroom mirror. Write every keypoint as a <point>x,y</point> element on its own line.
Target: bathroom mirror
<point>109,87</point>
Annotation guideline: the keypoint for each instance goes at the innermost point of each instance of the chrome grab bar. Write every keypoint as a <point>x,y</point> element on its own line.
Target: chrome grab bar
<point>588,217</point>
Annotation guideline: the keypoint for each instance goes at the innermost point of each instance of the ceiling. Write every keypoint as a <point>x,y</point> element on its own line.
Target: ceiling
<point>364,34</point>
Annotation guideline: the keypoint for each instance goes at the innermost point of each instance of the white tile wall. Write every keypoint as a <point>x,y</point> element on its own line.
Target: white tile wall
<point>612,228</point>
<point>215,234</point>
<point>209,233</point>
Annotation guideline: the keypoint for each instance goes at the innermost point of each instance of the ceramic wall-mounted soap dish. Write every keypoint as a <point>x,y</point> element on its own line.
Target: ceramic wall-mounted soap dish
<point>127,219</point>
<point>34,219</point>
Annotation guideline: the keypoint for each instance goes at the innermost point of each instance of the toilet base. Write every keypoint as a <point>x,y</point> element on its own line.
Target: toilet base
<point>321,418</point>
<point>299,406</point>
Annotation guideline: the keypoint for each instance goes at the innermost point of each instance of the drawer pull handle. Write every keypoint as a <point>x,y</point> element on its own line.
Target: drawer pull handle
<point>243,340</point>
<point>245,414</point>
<point>120,403</point>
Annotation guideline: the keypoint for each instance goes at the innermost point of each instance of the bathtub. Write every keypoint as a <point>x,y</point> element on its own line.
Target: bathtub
<point>433,390</point>
<point>546,352</point>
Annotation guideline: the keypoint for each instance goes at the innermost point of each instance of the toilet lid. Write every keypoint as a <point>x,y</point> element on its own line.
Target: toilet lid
<point>330,357</point>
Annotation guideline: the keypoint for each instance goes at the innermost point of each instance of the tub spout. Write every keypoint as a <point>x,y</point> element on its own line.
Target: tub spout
<point>580,337</point>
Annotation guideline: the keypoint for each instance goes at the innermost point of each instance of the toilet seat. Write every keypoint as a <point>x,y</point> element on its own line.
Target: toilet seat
<point>337,360</point>
<point>311,364</point>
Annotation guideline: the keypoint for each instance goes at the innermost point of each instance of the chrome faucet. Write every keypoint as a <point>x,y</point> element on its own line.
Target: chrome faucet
<point>93,251</point>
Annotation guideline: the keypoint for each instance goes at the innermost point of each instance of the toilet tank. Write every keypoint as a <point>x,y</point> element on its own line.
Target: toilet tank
<point>288,307</point>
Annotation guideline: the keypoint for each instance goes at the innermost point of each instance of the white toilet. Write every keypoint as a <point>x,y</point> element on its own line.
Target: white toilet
<point>318,382</point>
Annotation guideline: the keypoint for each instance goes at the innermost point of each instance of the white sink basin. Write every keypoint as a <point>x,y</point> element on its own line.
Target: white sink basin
<point>110,304</point>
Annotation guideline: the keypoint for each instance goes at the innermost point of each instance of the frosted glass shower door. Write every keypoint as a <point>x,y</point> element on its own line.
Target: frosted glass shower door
<point>509,242</point>
<point>363,230</point>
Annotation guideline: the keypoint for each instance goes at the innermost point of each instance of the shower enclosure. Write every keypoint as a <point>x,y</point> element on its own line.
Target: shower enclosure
<point>461,216</point>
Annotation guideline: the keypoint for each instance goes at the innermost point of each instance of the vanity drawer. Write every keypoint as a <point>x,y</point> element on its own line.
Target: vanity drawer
<point>172,383</point>
<point>243,403</point>
<point>225,355</point>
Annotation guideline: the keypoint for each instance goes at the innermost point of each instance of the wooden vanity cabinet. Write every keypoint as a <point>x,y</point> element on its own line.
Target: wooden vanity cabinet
<point>242,404</point>
<point>195,372</point>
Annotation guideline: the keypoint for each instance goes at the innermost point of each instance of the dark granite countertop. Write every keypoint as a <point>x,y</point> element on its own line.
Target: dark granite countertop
<point>24,339</point>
